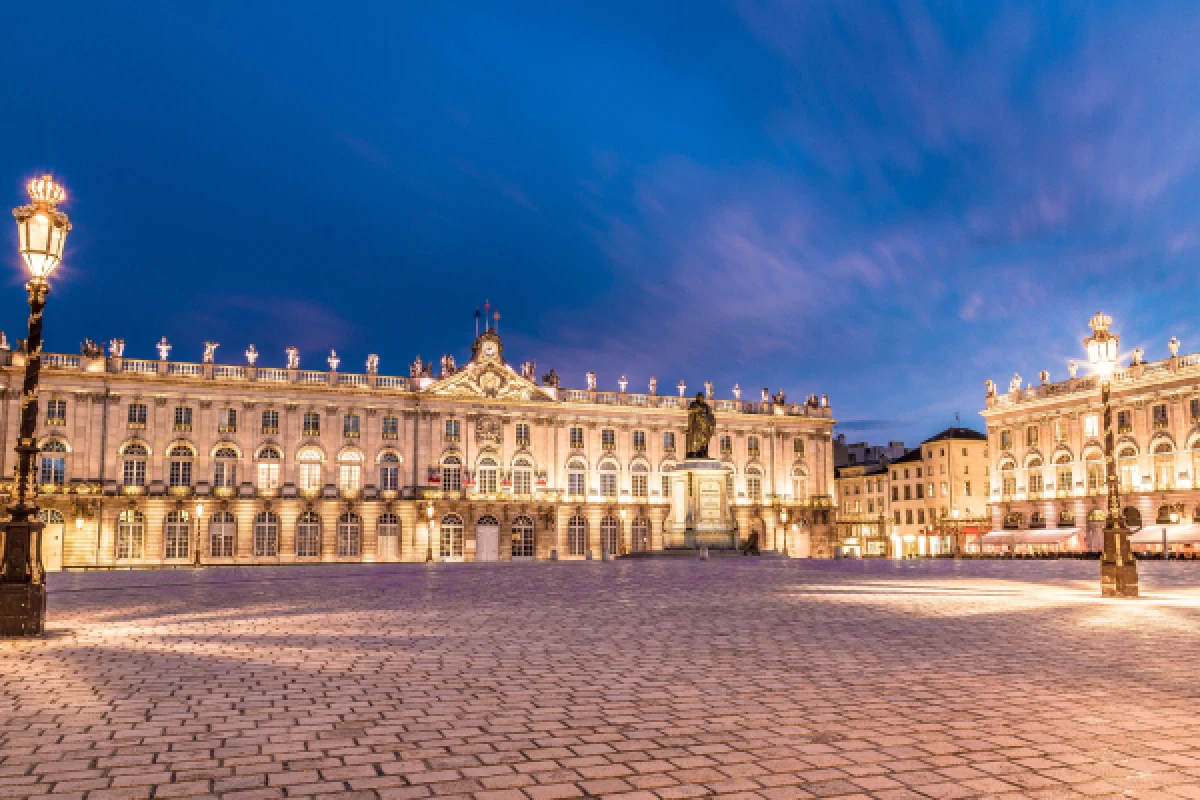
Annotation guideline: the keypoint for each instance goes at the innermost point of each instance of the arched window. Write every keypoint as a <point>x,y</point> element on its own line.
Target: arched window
<point>1008,479</point>
<point>487,477</point>
<point>754,484</point>
<point>54,462</point>
<point>1034,477</point>
<point>522,537</point>
<point>131,534</point>
<point>350,470</point>
<point>610,535</point>
<point>222,535</point>
<point>1127,468</point>
<point>577,477</point>
<point>389,471</point>
<point>225,460</point>
<point>387,534</point>
<point>522,476</point>
<point>1093,462</point>
<point>266,535</point>
<point>349,536</point>
<point>308,535</point>
<point>452,537</point>
<point>640,531</point>
<point>269,462</point>
<point>133,464</point>
<point>1164,466</point>
<point>452,474</point>
<point>177,532</point>
<point>799,483</point>
<point>608,479</point>
<point>308,469</point>
<point>639,479</point>
<point>179,465</point>
<point>576,536</point>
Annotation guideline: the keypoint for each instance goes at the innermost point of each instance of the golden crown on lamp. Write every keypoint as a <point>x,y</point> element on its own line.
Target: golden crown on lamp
<point>42,227</point>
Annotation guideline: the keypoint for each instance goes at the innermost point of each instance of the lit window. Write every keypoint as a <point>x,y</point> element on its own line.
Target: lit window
<point>487,477</point>
<point>387,531</point>
<point>269,459</point>
<point>752,447</point>
<point>349,536</point>
<point>56,412</point>
<point>54,463</point>
<point>453,430</point>
<point>133,465</point>
<point>177,533</point>
<point>225,467</point>
<point>222,535</point>
<point>576,478</point>
<point>522,476</point>
<point>308,469</point>
<point>183,418</point>
<point>350,471</point>
<point>522,434</point>
<point>270,421</point>
<point>726,445</point>
<point>308,535</point>
<point>179,465</point>
<point>227,420</point>
<point>638,480</point>
<point>608,479</point>
<point>266,534</point>
<point>576,536</point>
<point>754,486</point>
<point>639,440</point>
<point>451,474</point>
<point>576,437</point>
<point>1091,425</point>
<point>608,439</point>
<point>522,537</point>
<point>391,427</point>
<point>350,426</point>
<point>312,423</point>
<point>131,534</point>
<point>389,472</point>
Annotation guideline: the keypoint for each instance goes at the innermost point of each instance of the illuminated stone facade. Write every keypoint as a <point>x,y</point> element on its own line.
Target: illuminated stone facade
<point>1047,458</point>
<point>294,465</point>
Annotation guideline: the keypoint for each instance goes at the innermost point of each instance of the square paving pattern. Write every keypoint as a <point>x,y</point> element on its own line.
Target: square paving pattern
<point>648,679</point>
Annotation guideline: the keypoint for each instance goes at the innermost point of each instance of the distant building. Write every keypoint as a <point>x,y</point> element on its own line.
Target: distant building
<point>847,455</point>
<point>939,495</point>
<point>863,515</point>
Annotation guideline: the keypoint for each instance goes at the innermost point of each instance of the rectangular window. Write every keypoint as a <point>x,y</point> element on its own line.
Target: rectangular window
<point>920,491</point>
<point>1124,421</point>
<point>1035,483</point>
<point>895,493</point>
<point>1005,440</point>
<point>639,485</point>
<point>966,488</point>
<point>1195,407</point>
<point>908,491</point>
<point>908,517</point>
<point>270,421</point>
<point>312,423</point>
<point>389,479</point>
<point>451,478</point>
<point>56,412</point>
<point>227,420</point>
<point>1160,415</point>
<point>920,516</point>
<point>798,447</point>
<point>350,426</point>
<point>1008,485</point>
<point>726,445</point>
<point>666,486</point>
<point>522,481</point>
<point>669,441</point>
<point>1091,426</point>
<point>608,484</point>
<point>181,473</point>
<point>1065,480</point>
<point>945,490</point>
<point>639,440</point>
<point>225,474</point>
<point>523,435</point>
<point>896,516</point>
<point>576,437</point>
<point>391,427</point>
<point>309,476</point>
<point>608,439</point>
<point>931,493</point>
<point>1060,432</point>
<point>133,472</point>
<point>752,447</point>
<point>575,482</point>
<point>754,488</point>
<point>870,506</point>
<point>350,477</point>
<point>137,415</point>
<point>54,470</point>
<point>268,476</point>
<point>183,418</point>
<point>453,430</point>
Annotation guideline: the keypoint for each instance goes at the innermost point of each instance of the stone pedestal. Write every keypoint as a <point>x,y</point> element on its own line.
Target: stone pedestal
<point>22,609</point>
<point>1118,568</point>
<point>700,505</point>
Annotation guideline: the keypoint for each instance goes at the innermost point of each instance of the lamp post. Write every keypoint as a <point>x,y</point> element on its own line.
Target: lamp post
<point>956,547</point>
<point>42,231</point>
<point>621,544</point>
<point>1118,569</point>
<point>429,532</point>
<point>199,532</point>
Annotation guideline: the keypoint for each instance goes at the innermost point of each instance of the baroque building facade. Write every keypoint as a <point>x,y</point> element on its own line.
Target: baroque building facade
<point>149,463</point>
<point>1047,457</point>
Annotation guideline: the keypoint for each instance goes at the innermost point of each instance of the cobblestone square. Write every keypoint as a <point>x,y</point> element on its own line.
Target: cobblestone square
<point>670,679</point>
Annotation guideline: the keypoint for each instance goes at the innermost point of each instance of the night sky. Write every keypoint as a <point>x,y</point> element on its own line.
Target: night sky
<point>886,204</point>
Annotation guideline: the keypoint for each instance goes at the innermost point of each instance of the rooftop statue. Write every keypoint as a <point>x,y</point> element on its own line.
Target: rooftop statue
<point>700,426</point>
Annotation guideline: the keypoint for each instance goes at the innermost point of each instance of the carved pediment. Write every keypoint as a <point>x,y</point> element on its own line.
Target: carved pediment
<point>487,375</point>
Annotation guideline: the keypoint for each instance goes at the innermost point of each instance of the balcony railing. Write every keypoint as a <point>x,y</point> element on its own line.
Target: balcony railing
<point>270,430</point>
<point>390,435</point>
<point>183,427</point>
<point>227,429</point>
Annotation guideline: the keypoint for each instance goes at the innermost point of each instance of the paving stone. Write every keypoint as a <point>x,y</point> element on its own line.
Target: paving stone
<point>738,678</point>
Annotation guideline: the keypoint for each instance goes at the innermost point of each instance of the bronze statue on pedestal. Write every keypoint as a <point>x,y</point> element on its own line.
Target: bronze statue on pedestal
<point>700,426</point>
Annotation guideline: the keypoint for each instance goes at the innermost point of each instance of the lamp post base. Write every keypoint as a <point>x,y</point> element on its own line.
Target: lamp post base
<point>1118,568</point>
<point>22,609</point>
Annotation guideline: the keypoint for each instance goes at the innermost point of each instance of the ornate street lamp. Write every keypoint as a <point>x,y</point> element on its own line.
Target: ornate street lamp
<point>42,232</point>
<point>1118,569</point>
<point>621,549</point>
<point>429,532</point>
<point>783,515</point>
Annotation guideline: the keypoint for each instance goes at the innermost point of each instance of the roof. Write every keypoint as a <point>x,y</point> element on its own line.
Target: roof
<point>910,456</point>
<point>957,433</point>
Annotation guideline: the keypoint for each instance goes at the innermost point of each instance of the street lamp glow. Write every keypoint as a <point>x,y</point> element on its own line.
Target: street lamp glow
<point>1102,345</point>
<point>41,228</point>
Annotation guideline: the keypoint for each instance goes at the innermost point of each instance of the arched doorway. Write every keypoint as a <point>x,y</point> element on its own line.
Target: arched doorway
<point>487,538</point>
<point>640,532</point>
<point>522,537</point>
<point>452,538</point>
<point>609,536</point>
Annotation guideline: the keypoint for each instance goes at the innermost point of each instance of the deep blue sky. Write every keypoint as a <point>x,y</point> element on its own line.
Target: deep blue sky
<point>887,204</point>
